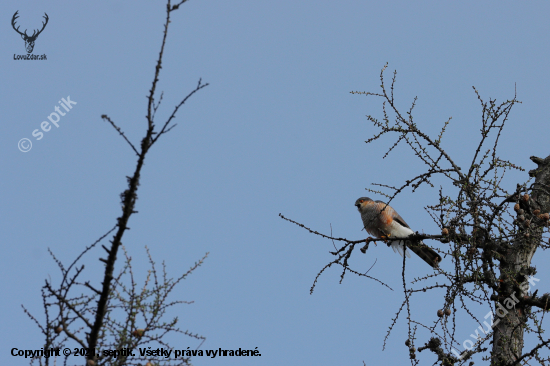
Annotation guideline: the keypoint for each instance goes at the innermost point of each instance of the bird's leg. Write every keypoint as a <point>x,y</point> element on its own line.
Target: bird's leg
<point>385,239</point>
<point>367,242</point>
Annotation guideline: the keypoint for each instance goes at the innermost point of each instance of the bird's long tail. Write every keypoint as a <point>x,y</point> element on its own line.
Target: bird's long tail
<point>427,254</point>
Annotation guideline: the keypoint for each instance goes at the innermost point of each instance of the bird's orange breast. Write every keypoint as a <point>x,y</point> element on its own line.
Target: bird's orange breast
<point>386,217</point>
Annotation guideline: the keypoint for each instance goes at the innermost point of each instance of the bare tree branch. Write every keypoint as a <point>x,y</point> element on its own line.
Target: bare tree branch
<point>489,235</point>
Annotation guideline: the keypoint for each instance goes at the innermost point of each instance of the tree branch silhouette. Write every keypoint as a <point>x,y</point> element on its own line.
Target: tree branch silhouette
<point>99,322</point>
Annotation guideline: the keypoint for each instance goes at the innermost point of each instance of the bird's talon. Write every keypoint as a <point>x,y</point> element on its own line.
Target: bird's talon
<point>384,238</point>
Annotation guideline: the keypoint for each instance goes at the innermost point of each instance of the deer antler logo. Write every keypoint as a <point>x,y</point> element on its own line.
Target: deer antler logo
<point>29,40</point>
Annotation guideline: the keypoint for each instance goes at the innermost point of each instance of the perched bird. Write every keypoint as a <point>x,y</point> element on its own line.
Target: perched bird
<point>381,221</point>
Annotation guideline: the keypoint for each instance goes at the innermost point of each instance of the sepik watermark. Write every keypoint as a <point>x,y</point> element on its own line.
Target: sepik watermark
<point>25,144</point>
<point>501,312</point>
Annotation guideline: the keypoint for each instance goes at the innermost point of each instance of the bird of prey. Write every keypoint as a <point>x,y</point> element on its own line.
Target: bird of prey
<point>383,222</point>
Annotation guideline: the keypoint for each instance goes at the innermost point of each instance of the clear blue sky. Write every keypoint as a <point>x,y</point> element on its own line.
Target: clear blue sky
<point>275,132</point>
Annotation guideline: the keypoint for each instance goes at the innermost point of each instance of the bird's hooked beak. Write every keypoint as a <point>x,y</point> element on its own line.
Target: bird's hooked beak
<point>358,205</point>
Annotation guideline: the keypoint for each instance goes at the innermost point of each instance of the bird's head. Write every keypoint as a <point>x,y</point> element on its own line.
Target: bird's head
<point>361,202</point>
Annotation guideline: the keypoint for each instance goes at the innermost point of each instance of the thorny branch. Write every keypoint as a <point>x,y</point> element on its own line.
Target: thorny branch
<point>98,322</point>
